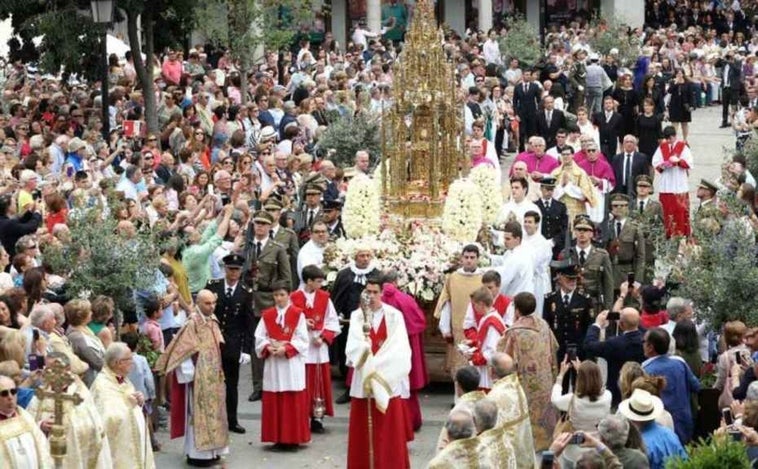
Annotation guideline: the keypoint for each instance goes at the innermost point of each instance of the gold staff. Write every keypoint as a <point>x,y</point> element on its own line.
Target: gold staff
<point>367,320</point>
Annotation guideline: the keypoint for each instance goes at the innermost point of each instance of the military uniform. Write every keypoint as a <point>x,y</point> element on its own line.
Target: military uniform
<point>234,310</point>
<point>288,238</point>
<point>304,218</point>
<point>271,264</point>
<point>595,270</point>
<point>708,212</point>
<point>649,216</point>
<point>627,250</point>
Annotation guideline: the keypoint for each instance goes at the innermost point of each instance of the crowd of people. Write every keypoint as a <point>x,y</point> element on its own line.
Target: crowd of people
<point>568,350</point>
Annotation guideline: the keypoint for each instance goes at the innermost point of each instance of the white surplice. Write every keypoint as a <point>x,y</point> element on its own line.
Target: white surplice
<point>310,254</point>
<point>542,250</point>
<point>282,373</point>
<point>22,443</point>
<point>320,353</point>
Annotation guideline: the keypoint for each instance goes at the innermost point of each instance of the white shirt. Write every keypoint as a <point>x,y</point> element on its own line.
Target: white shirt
<point>491,51</point>
<point>310,254</point>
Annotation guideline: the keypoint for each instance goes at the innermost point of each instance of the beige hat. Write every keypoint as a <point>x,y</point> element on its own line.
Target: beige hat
<point>27,175</point>
<point>267,133</point>
<point>641,406</point>
<point>75,144</point>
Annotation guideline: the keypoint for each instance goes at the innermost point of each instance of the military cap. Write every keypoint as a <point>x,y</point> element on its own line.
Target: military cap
<point>708,185</point>
<point>233,260</point>
<point>644,180</point>
<point>313,189</point>
<point>548,182</point>
<point>332,205</point>
<point>565,267</point>
<point>619,198</point>
<point>263,217</point>
<point>583,222</point>
<point>273,204</point>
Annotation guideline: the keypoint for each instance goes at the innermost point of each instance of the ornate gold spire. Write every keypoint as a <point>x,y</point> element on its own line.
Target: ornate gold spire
<point>423,129</point>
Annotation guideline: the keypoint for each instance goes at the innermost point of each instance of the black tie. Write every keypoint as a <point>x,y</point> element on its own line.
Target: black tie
<point>229,291</point>
<point>582,257</point>
<point>258,249</point>
<point>547,204</point>
<point>618,229</point>
<point>627,170</point>
<point>642,207</point>
<point>271,234</point>
<point>310,218</point>
<point>566,301</point>
<point>525,87</point>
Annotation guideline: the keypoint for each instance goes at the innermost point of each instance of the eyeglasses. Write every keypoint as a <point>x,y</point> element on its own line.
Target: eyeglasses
<point>8,392</point>
<point>152,139</point>
<point>619,205</point>
<point>319,231</point>
<point>148,157</point>
<point>591,150</point>
<point>199,133</point>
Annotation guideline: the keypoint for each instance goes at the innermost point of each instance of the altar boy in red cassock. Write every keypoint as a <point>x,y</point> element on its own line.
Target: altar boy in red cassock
<point>281,339</point>
<point>323,326</point>
<point>673,162</point>
<point>489,330</point>
<point>501,304</point>
<point>380,364</point>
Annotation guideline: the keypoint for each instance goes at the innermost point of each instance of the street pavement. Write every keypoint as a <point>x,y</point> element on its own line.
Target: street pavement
<point>329,450</point>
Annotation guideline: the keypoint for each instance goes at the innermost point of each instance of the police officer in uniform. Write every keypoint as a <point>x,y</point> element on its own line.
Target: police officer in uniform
<point>569,314</point>
<point>554,215</point>
<point>271,264</point>
<point>234,310</point>
<point>594,263</point>
<point>333,218</point>
<point>625,242</point>
<point>310,211</point>
<point>283,235</point>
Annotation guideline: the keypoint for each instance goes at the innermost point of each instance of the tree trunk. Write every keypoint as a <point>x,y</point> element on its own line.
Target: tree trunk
<point>144,70</point>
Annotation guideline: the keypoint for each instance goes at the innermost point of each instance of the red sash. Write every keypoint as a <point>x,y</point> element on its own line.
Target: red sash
<point>501,304</point>
<point>483,329</point>
<point>378,337</point>
<point>318,311</point>
<point>667,150</point>
<point>277,332</point>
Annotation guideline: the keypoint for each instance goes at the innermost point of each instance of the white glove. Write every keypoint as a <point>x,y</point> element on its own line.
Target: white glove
<point>580,87</point>
<point>244,358</point>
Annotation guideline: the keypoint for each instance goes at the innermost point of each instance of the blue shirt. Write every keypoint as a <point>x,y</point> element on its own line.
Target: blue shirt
<point>680,384</point>
<point>661,444</point>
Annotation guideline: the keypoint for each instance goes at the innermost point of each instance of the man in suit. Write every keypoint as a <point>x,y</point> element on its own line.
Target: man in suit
<point>329,172</point>
<point>290,115</point>
<point>283,235</point>
<point>526,101</point>
<point>234,311</point>
<point>568,313</point>
<point>648,213</point>
<point>627,166</point>
<point>731,85</point>
<point>554,216</point>
<point>271,264</point>
<point>310,212</point>
<point>609,124</point>
<point>320,112</point>
<point>549,121</point>
<point>594,264</point>
<point>625,347</point>
<point>625,242</point>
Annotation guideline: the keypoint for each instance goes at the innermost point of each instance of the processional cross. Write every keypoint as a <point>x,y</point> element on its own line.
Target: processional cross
<point>57,378</point>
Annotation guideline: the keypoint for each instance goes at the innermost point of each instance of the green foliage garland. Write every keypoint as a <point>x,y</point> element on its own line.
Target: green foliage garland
<point>348,135</point>
<point>714,453</point>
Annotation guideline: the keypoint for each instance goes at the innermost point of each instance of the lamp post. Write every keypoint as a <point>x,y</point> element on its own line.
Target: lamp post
<point>102,13</point>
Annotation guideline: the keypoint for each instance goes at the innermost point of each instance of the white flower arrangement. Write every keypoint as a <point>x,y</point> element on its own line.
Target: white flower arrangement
<point>462,215</point>
<point>362,213</point>
<point>485,179</point>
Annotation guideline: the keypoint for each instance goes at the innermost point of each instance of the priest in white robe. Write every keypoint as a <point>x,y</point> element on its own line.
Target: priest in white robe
<point>518,205</point>
<point>516,266</point>
<point>120,406</point>
<point>312,252</point>
<point>86,444</point>
<point>542,251</point>
<point>22,443</point>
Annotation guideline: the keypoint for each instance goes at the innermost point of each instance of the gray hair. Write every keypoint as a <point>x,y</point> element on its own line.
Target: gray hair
<point>752,392</point>
<point>115,352</point>
<point>590,460</point>
<point>485,415</point>
<point>676,306</point>
<point>502,364</point>
<point>614,431</point>
<point>390,276</point>
<point>460,425</point>
<point>40,314</point>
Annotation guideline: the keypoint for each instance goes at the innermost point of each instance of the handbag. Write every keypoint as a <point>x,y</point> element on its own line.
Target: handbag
<point>564,424</point>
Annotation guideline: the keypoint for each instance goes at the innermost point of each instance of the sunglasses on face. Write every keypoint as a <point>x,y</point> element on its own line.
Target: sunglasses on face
<point>8,392</point>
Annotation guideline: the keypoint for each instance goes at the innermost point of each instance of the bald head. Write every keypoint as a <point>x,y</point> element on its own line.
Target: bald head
<point>206,302</point>
<point>630,319</point>
<point>485,415</point>
<point>502,365</point>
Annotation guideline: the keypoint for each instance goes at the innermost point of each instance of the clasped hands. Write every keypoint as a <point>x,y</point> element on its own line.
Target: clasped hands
<point>276,349</point>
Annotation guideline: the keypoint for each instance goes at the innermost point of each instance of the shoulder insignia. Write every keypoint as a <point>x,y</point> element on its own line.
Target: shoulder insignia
<point>600,250</point>
<point>215,281</point>
<point>277,243</point>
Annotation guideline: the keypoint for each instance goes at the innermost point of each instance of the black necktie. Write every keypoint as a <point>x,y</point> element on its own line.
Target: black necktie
<point>642,207</point>
<point>271,234</point>
<point>258,248</point>
<point>310,218</point>
<point>582,257</point>
<point>547,204</point>
<point>618,229</point>
<point>525,87</point>
<point>627,170</point>
<point>229,291</point>
<point>566,301</point>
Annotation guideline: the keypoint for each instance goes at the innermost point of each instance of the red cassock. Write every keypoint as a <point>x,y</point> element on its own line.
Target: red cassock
<point>415,324</point>
<point>284,416</point>
<point>318,376</point>
<point>391,430</point>
<point>676,206</point>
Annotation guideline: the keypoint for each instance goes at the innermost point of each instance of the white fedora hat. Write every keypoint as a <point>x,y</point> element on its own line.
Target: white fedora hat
<point>641,406</point>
